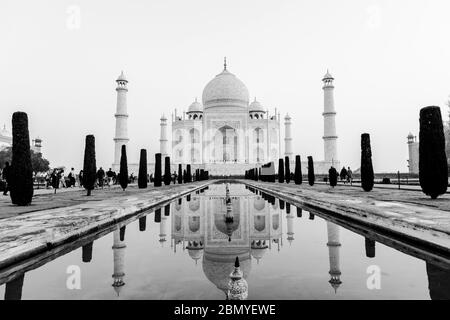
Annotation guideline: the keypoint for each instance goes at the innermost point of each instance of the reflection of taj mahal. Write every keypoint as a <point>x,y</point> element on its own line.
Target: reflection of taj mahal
<point>215,229</point>
<point>200,226</point>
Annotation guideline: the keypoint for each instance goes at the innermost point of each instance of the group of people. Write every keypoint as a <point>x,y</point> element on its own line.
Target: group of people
<point>5,175</point>
<point>346,175</point>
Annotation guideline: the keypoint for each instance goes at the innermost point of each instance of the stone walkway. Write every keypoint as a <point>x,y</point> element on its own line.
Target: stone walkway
<point>70,215</point>
<point>408,212</point>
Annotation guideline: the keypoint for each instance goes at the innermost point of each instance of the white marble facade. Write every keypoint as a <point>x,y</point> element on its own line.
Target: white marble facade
<point>225,129</point>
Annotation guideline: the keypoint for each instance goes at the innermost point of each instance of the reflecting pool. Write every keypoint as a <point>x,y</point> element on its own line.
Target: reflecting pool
<point>188,248</point>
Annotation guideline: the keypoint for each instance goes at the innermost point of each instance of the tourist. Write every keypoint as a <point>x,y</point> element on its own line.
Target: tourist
<point>349,175</point>
<point>55,179</point>
<point>333,176</point>
<point>48,180</point>
<point>72,178</point>
<point>343,175</point>
<point>109,176</point>
<point>6,174</point>
<point>80,178</point>
<point>174,177</point>
<point>100,177</point>
<point>62,178</point>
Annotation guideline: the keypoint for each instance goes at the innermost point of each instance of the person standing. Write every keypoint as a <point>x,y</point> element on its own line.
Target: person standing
<point>109,176</point>
<point>343,175</point>
<point>62,178</point>
<point>80,178</point>
<point>72,178</point>
<point>55,179</point>
<point>7,177</point>
<point>100,177</point>
<point>349,175</point>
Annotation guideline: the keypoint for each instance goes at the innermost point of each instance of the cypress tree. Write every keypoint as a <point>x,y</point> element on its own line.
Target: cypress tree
<point>433,167</point>
<point>280,171</point>
<point>370,248</point>
<point>298,170</point>
<point>167,210</point>
<point>86,252</point>
<point>167,175</point>
<point>142,177</point>
<point>122,233</point>
<point>158,171</point>
<point>311,175</point>
<point>89,166</point>
<point>123,178</point>
<point>367,176</point>
<point>180,174</point>
<point>158,215</point>
<point>287,170</point>
<point>21,182</point>
<point>188,173</point>
<point>332,177</point>
<point>142,223</point>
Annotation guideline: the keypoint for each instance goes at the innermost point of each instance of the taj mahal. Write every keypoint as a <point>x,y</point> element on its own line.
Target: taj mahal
<point>227,133</point>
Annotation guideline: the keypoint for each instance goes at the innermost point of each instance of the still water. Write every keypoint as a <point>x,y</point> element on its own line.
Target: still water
<point>187,250</point>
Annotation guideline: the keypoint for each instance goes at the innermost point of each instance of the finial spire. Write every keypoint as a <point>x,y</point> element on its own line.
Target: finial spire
<point>224,63</point>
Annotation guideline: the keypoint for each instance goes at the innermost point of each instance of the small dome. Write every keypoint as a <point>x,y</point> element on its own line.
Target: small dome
<point>195,254</point>
<point>195,107</point>
<point>327,76</point>
<point>259,204</point>
<point>122,77</point>
<point>258,253</point>
<point>255,106</point>
<point>4,132</point>
<point>225,90</point>
<point>410,136</point>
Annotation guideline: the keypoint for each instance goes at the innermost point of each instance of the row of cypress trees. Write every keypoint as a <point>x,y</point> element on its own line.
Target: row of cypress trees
<point>433,167</point>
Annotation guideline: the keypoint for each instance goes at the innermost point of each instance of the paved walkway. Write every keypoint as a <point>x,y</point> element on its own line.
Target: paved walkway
<point>27,233</point>
<point>47,199</point>
<point>393,185</point>
<point>408,212</point>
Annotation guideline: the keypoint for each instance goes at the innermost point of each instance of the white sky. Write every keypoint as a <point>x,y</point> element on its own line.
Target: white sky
<point>389,58</point>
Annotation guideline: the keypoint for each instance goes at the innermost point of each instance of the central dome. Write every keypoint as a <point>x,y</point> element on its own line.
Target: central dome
<point>225,90</point>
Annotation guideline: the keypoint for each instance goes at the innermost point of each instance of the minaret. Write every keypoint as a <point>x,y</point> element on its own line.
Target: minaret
<point>334,245</point>
<point>329,120</point>
<point>287,137</point>
<point>163,138</point>
<point>121,115</point>
<point>290,227</point>
<point>162,230</point>
<point>119,262</point>
<point>413,153</point>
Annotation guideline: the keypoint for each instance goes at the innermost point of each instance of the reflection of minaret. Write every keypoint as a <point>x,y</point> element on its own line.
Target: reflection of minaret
<point>334,245</point>
<point>119,262</point>
<point>290,227</point>
<point>162,230</point>
<point>237,286</point>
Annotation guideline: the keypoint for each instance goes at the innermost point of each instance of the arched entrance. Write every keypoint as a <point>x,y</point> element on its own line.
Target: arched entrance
<point>226,144</point>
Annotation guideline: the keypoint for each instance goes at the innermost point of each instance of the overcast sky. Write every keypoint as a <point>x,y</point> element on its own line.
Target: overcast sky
<point>389,59</point>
